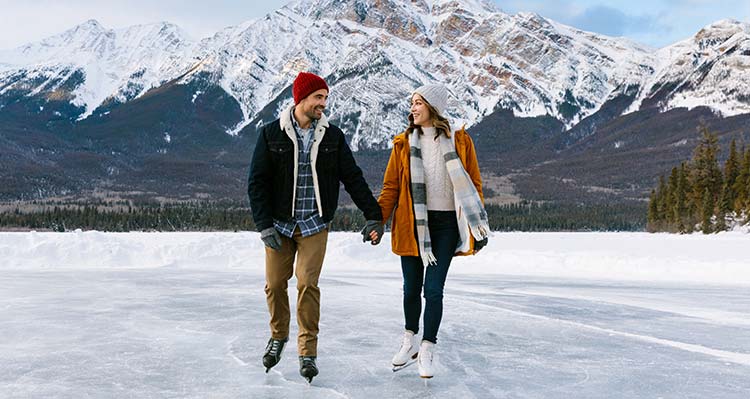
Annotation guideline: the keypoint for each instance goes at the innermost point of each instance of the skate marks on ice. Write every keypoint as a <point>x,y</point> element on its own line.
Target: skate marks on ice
<point>704,324</point>
<point>533,343</point>
<point>689,307</point>
<point>200,333</point>
<point>734,357</point>
<point>281,381</point>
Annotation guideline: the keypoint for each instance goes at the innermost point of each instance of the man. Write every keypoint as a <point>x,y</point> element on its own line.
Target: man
<point>299,161</point>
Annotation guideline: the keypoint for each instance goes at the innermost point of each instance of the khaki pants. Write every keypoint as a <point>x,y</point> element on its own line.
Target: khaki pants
<point>310,252</point>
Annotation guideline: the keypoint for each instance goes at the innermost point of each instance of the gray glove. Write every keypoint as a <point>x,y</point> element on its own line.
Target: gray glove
<point>478,245</point>
<point>271,238</point>
<point>372,225</point>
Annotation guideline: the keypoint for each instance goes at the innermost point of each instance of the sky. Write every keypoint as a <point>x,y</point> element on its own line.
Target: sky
<point>656,23</point>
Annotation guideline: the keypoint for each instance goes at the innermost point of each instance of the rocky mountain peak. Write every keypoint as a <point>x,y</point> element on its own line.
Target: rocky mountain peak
<point>719,32</point>
<point>375,52</point>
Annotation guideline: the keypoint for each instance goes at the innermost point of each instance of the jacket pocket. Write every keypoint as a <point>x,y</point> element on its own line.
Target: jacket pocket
<point>279,147</point>
<point>281,154</point>
<point>327,157</point>
<point>328,150</point>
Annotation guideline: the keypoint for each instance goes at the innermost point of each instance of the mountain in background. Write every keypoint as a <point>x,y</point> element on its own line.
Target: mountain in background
<point>557,113</point>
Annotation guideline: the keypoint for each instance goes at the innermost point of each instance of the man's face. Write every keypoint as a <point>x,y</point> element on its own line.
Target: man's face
<point>313,105</point>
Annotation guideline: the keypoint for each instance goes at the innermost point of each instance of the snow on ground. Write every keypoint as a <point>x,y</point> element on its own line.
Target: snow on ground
<point>535,315</point>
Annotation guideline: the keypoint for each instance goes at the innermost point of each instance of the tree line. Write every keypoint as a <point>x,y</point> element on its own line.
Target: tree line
<point>155,217</point>
<point>700,195</point>
<point>544,216</point>
<point>208,216</point>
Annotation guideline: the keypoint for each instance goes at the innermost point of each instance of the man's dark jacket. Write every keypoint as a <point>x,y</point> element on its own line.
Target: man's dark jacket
<point>271,185</point>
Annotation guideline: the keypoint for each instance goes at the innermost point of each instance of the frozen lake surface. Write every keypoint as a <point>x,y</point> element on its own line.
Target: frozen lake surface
<point>183,315</point>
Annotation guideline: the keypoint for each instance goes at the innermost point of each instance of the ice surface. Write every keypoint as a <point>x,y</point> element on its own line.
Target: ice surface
<point>152,315</point>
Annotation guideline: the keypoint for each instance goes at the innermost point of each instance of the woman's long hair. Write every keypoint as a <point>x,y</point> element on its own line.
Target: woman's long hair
<point>441,124</point>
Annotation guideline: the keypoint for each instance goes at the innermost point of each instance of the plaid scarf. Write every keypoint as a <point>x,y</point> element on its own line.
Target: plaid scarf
<point>468,203</point>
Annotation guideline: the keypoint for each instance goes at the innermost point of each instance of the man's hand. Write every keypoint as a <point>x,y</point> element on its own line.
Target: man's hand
<point>271,238</point>
<point>478,245</point>
<point>373,231</point>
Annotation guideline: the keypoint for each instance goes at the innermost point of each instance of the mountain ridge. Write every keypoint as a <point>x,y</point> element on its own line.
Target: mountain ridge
<point>148,96</point>
<point>473,45</point>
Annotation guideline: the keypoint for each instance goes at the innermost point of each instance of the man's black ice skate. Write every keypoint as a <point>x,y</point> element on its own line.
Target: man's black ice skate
<point>307,367</point>
<point>273,352</point>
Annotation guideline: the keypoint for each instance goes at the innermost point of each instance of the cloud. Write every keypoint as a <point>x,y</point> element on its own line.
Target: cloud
<point>657,22</point>
<point>653,22</point>
<point>613,22</point>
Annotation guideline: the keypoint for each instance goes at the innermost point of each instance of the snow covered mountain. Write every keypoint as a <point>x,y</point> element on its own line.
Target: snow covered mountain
<point>134,107</point>
<point>93,66</point>
<point>374,53</point>
<point>710,69</point>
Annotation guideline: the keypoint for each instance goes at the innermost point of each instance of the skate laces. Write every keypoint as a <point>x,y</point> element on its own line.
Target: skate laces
<point>274,345</point>
<point>407,344</point>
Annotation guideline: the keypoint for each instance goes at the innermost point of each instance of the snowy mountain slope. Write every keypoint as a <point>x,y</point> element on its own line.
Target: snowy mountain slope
<point>97,65</point>
<point>373,53</point>
<point>534,92</point>
<point>710,69</point>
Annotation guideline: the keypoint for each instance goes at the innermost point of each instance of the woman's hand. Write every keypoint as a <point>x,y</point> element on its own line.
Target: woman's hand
<point>373,231</point>
<point>478,245</point>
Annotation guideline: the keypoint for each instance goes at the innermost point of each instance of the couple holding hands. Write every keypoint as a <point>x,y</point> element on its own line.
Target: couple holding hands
<point>432,190</point>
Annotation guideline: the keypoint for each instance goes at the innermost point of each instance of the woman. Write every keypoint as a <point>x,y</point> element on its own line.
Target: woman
<point>433,190</point>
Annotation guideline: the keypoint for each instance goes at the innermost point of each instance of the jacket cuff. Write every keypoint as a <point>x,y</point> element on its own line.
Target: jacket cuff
<point>263,225</point>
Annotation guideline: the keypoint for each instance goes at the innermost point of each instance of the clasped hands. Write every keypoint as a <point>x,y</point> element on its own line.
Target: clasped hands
<point>373,231</point>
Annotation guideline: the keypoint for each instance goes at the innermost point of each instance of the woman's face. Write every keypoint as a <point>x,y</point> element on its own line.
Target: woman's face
<point>419,111</point>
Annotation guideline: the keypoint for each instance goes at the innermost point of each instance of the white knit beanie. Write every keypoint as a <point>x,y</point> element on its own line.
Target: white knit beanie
<point>436,95</point>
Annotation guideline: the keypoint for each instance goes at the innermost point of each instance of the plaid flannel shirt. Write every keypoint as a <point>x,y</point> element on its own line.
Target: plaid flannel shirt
<point>306,208</point>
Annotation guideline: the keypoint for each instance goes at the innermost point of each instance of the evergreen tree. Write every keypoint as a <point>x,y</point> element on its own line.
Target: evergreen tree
<point>671,215</point>
<point>658,207</point>
<point>700,190</point>
<point>652,221</point>
<point>707,212</point>
<point>680,209</point>
<point>705,175</point>
<point>731,173</point>
<point>741,187</point>
<point>723,208</point>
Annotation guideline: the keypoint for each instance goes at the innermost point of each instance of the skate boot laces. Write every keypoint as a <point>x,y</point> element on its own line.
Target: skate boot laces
<point>273,347</point>
<point>406,344</point>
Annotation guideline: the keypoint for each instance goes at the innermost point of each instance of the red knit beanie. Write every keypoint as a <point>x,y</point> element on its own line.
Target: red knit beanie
<point>305,84</point>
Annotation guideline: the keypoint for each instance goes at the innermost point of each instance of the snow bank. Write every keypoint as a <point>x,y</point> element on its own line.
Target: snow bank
<point>699,259</point>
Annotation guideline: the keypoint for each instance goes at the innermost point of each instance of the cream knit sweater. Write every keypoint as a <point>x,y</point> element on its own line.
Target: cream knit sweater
<point>437,182</point>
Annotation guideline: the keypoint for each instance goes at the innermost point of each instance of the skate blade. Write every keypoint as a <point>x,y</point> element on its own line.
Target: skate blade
<point>403,366</point>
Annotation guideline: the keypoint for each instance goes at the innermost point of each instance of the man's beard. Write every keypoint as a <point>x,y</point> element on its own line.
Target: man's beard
<point>313,115</point>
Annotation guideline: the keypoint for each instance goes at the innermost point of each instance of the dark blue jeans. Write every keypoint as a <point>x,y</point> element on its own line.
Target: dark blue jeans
<point>444,238</point>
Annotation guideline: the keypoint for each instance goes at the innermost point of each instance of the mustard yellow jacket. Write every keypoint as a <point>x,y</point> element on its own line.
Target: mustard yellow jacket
<point>395,198</point>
